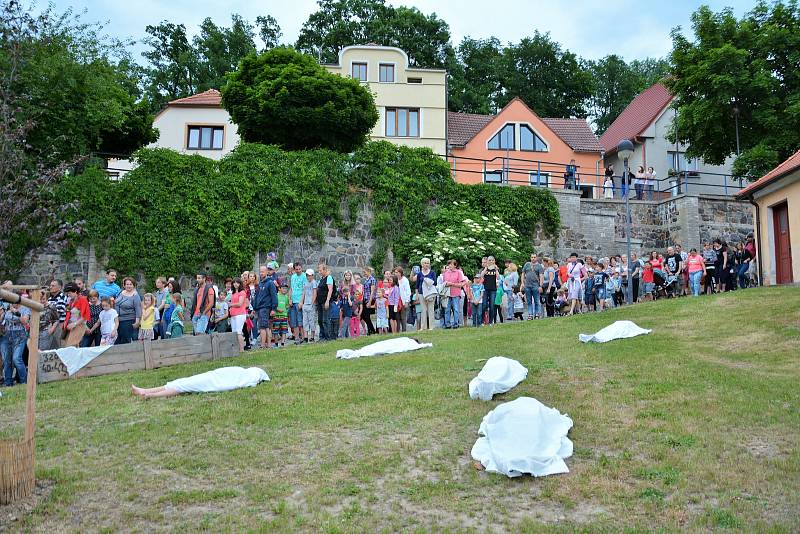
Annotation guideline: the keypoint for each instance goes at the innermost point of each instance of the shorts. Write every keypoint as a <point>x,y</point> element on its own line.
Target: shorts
<point>108,339</point>
<point>263,318</point>
<point>649,287</point>
<point>148,334</point>
<point>280,326</point>
<point>295,316</point>
<point>600,293</point>
<point>309,320</point>
<point>237,323</point>
<point>392,313</point>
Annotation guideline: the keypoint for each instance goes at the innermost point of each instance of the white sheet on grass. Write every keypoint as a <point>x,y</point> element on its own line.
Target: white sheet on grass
<point>76,358</point>
<point>616,330</point>
<point>222,379</point>
<point>524,436</point>
<point>499,374</point>
<point>388,346</point>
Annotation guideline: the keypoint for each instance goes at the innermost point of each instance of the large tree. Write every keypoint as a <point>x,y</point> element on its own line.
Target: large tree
<point>64,93</point>
<point>746,69</point>
<point>219,50</point>
<point>475,78</point>
<point>286,98</point>
<point>552,81</point>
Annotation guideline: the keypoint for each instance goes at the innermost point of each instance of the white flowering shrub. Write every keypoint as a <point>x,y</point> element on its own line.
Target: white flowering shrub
<point>460,233</point>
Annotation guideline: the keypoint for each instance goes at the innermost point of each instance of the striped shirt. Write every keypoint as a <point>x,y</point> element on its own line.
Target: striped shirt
<point>60,302</point>
<point>369,288</point>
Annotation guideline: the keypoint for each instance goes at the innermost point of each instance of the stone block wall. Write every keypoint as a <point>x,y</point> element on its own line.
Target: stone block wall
<point>589,227</point>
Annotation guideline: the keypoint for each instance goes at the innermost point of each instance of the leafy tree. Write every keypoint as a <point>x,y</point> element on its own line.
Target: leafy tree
<point>268,30</point>
<point>744,68</point>
<point>426,39</point>
<point>650,70</point>
<point>220,49</point>
<point>286,98</point>
<point>174,70</point>
<point>474,80</point>
<point>552,81</point>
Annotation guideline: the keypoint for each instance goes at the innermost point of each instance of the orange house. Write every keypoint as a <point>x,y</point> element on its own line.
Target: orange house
<point>517,147</point>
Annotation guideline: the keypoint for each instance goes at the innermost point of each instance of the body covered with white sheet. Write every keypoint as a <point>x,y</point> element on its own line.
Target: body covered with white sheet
<point>499,374</point>
<point>616,330</point>
<point>388,346</point>
<point>524,436</point>
<point>222,379</point>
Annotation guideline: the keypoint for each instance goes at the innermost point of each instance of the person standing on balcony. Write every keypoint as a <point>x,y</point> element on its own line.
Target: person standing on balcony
<point>639,181</point>
<point>571,175</point>
<point>650,183</point>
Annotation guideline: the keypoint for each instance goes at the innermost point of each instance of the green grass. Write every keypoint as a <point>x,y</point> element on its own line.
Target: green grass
<point>695,426</point>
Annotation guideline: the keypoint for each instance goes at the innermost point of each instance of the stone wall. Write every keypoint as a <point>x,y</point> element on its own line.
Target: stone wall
<point>589,226</point>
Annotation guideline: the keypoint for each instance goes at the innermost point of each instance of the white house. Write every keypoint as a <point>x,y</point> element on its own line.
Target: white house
<point>646,122</point>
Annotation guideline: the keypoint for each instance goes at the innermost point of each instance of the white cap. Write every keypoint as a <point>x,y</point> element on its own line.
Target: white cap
<point>310,272</point>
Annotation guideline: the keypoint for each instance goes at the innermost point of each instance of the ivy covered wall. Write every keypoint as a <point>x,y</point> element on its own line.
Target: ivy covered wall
<point>178,213</point>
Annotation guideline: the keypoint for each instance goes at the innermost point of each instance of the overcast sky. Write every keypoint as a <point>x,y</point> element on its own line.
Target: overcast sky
<point>592,29</point>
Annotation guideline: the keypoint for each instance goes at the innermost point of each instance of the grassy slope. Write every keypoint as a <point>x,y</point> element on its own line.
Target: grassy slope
<point>695,426</point>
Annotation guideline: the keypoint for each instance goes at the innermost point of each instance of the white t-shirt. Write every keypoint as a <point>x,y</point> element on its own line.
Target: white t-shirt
<point>107,320</point>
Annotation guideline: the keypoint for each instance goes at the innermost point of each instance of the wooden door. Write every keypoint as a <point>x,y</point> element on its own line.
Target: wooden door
<point>783,249</point>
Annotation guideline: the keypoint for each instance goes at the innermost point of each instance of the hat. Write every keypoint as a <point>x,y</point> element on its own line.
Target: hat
<point>273,265</point>
<point>284,284</point>
<point>71,288</point>
<point>310,272</point>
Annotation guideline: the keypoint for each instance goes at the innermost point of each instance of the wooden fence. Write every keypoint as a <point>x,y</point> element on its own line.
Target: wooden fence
<point>138,356</point>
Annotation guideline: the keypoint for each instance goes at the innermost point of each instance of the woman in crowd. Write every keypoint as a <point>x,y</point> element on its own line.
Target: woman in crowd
<point>743,259</point>
<point>510,281</point>
<point>426,294</point>
<point>639,181</point>
<point>238,309</point>
<point>129,307</point>
<point>696,267</point>
<point>370,287</point>
<point>15,321</point>
<point>722,264</point>
<point>710,260</point>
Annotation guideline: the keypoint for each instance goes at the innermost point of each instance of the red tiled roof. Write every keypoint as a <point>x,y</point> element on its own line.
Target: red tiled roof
<point>576,133</point>
<point>212,97</point>
<point>636,117</point>
<point>461,127</point>
<point>790,165</point>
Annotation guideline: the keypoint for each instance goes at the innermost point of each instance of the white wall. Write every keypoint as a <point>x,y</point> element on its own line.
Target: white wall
<point>172,124</point>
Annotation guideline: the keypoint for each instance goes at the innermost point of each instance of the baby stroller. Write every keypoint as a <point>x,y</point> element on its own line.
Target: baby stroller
<point>665,285</point>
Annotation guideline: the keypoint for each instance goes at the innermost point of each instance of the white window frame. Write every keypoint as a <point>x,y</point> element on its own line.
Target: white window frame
<point>513,137</point>
<point>536,132</point>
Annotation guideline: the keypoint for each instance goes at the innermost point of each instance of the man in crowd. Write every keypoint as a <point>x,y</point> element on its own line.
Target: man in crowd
<point>532,281</point>
<point>203,305</point>
<point>58,299</point>
<point>266,302</point>
<point>81,285</point>
<point>325,292</point>
<point>673,264</point>
<point>108,287</point>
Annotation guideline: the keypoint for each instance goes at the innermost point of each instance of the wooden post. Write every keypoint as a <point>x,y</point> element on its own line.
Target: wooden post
<point>33,367</point>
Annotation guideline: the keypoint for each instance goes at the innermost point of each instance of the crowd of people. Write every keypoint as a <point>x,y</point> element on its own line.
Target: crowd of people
<point>273,307</point>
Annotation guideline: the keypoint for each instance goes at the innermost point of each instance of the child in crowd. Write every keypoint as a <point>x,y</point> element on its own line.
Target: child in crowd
<point>222,313</point>
<point>307,305</point>
<point>600,279</point>
<point>280,323</point>
<point>175,328</point>
<point>519,303</point>
<point>92,337</point>
<point>477,300</point>
<point>561,303</point>
<point>148,321</point>
<point>616,280</point>
<point>355,320</point>
<point>345,312</point>
<point>608,187</point>
<point>109,323</point>
<point>335,317</point>
<point>649,280</point>
<point>394,303</point>
<point>382,311</point>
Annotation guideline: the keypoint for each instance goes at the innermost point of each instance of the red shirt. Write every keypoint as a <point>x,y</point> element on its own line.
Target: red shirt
<point>657,264</point>
<point>82,304</point>
<point>647,276</point>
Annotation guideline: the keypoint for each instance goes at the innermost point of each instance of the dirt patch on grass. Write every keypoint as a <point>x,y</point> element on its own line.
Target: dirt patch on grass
<point>11,514</point>
<point>768,448</point>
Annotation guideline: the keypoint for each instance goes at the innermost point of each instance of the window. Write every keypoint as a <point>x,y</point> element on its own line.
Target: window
<point>528,140</point>
<point>386,73</point>
<point>676,159</point>
<point>359,71</point>
<point>493,177</point>
<point>504,139</point>
<point>402,122</point>
<point>541,179</point>
<point>415,80</point>
<point>205,137</point>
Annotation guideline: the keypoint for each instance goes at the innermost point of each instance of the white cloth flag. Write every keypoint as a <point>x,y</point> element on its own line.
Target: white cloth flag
<point>222,379</point>
<point>616,330</point>
<point>524,436</point>
<point>388,346</point>
<point>499,374</point>
<point>75,359</point>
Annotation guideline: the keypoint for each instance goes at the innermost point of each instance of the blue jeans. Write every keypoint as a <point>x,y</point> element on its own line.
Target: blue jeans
<point>454,307</point>
<point>489,305</point>
<point>477,314</point>
<point>532,295</point>
<point>12,347</point>
<point>509,303</point>
<point>295,316</point>
<point>694,281</point>
<point>742,272</point>
<point>199,324</point>
<point>324,320</point>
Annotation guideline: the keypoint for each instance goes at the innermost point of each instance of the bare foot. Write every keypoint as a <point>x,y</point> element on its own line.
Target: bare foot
<point>137,391</point>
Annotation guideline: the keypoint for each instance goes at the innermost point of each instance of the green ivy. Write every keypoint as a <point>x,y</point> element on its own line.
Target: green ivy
<point>180,213</point>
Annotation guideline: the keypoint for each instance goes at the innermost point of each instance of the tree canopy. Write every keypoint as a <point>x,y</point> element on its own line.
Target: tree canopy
<point>286,98</point>
<point>746,69</point>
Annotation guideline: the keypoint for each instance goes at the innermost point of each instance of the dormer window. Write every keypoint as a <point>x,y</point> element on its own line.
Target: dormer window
<point>504,139</point>
<point>359,71</point>
<point>386,73</point>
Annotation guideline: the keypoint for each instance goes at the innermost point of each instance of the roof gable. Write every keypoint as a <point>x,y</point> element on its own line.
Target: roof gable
<point>575,133</point>
<point>635,118</point>
<point>791,164</point>
<point>212,97</point>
